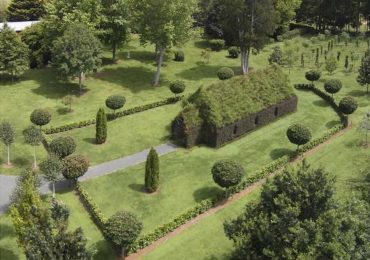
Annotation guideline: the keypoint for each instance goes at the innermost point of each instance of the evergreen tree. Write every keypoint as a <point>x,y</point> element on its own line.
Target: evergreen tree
<point>152,171</point>
<point>13,53</point>
<point>77,52</point>
<point>101,127</point>
<point>25,10</point>
<point>364,73</point>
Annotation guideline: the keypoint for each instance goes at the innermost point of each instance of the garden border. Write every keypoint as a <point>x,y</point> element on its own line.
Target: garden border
<point>207,204</point>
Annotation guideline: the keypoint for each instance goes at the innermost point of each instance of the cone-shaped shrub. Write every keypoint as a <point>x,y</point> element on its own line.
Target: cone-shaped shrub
<point>101,127</point>
<point>152,171</point>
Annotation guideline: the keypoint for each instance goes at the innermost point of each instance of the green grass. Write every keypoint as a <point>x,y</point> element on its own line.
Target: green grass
<point>205,239</point>
<point>185,174</point>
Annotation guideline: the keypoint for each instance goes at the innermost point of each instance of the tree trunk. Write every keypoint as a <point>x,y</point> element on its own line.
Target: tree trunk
<point>245,62</point>
<point>34,158</point>
<point>159,66</point>
<point>80,76</point>
<point>114,49</point>
<point>8,154</point>
<point>53,189</point>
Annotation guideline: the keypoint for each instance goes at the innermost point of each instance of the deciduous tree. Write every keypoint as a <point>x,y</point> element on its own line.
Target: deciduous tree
<point>52,169</point>
<point>33,137</point>
<point>7,134</point>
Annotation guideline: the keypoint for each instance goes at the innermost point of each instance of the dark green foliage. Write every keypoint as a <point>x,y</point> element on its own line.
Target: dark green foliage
<point>227,173</point>
<point>179,55</point>
<point>25,10</point>
<point>333,86</point>
<point>75,166</point>
<point>13,54</point>
<point>276,56</point>
<point>346,63</point>
<point>338,55</point>
<point>52,169</point>
<point>152,171</point>
<point>225,73</point>
<point>32,135</point>
<point>122,229</point>
<point>101,127</point>
<point>177,87</point>
<point>364,73</point>
<point>6,133</point>
<point>348,105</point>
<point>313,75</point>
<point>115,102</point>
<point>297,217</point>
<point>299,134</point>
<point>62,146</point>
<point>233,52</point>
<point>40,117</point>
<point>217,44</point>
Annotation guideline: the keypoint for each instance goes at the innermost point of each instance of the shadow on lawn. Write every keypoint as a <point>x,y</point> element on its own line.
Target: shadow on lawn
<point>137,187</point>
<point>206,193</point>
<point>279,152</point>
<point>5,253</point>
<point>103,250</point>
<point>320,103</point>
<point>202,71</point>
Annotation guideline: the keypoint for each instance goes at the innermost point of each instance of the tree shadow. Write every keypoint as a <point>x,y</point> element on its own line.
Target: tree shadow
<point>135,79</point>
<point>201,44</point>
<point>357,93</point>
<point>63,111</point>
<point>279,152</point>
<point>21,162</point>
<point>146,57</point>
<point>206,193</point>
<point>137,187</point>
<point>7,254</point>
<point>202,71</point>
<point>332,123</point>
<point>320,103</point>
<point>89,140</point>
<point>103,250</point>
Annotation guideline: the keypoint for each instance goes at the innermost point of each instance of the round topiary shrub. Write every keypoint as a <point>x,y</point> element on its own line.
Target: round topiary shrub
<point>40,117</point>
<point>313,75</point>
<point>62,146</point>
<point>299,134</point>
<point>233,52</point>
<point>75,166</point>
<point>225,73</point>
<point>217,45</point>
<point>179,55</point>
<point>115,102</point>
<point>333,86</point>
<point>177,87</point>
<point>227,173</point>
<point>348,105</point>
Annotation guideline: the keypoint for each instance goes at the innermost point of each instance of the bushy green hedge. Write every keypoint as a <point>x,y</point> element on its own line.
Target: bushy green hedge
<point>92,208</point>
<point>111,116</point>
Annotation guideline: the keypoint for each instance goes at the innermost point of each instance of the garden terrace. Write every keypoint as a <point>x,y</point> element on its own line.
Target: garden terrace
<point>223,111</point>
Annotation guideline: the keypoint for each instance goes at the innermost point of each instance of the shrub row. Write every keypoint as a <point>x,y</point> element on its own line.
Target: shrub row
<point>111,116</point>
<point>92,208</point>
<point>326,97</point>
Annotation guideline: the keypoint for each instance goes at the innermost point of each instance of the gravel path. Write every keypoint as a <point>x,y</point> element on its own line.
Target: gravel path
<point>8,183</point>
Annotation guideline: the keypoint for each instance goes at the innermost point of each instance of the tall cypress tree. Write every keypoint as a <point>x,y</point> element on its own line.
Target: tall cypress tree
<point>152,171</point>
<point>101,127</point>
<point>25,10</point>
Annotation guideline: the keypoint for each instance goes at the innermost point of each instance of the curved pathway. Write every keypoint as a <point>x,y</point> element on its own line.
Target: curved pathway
<point>8,183</point>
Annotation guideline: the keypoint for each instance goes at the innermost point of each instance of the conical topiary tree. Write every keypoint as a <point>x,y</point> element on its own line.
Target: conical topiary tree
<point>152,171</point>
<point>101,127</point>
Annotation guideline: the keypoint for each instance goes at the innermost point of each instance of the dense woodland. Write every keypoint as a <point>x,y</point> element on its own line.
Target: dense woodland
<point>77,45</point>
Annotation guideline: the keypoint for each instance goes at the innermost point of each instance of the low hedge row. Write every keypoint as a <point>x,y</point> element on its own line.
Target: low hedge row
<point>111,116</point>
<point>92,208</point>
<point>328,98</point>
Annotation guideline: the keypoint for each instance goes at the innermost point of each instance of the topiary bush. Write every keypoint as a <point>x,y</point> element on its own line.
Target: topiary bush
<point>227,173</point>
<point>177,87</point>
<point>333,86</point>
<point>115,102</point>
<point>276,56</point>
<point>40,117</point>
<point>217,44</point>
<point>152,171</point>
<point>101,127</point>
<point>75,166</point>
<point>233,52</point>
<point>179,55</point>
<point>313,75</point>
<point>299,134</point>
<point>348,105</point>
<point>62,146</point>
<point>225,73</point>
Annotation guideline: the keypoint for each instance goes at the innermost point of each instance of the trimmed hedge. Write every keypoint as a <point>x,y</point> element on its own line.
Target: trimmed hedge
<point>111,116</point>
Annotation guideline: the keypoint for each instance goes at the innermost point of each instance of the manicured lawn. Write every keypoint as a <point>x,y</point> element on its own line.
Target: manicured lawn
<point>185,174</point>
<point>9,249</point>
<point>127,135</point>
<point>206,239</point>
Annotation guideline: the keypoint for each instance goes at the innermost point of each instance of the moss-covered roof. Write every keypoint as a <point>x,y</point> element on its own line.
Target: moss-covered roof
<point>225,102</point>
